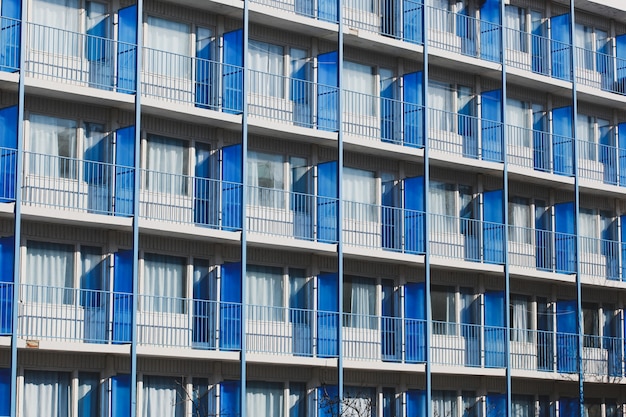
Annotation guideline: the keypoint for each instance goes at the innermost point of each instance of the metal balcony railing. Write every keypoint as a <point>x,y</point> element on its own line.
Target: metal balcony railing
<point>599,162</point>
<point>542,250</point>
<point>10,44</point>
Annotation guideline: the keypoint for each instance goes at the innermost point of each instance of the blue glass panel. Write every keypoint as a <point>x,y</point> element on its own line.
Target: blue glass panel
<point>326,202</point>
<point>124,171</point>
<point>390,216</point>
<point>492,125</point>
<point>8,154</point>
<point>205,191</point>
<point>493,227</point>
<point>6,287</point>
<point>568,407</point>
<point>415,403</point>
<point>490,48</point>
<point>327,93</point>
<point>230,308</point>
<point>621,150</point>
<point>389,111</point>
<point>123,297</point>
<point>620,53</point>
<point>565,240</point>
<point>97,44</point>
<point>231,187</point>
<point>327,10</point>
<point>205,73</point>
<point>566,338</point>
<point>10,35</point>
<point>541,142</point>
<point>232,82</point>
<point>560,47</point>
<point>563,144</point>
<point>540,48</point>
<point>413,111</point>
<point>494,329</point>
<point>120,396</point>
<point>389,403</point>
<point>127,49</point>
<point>466,30</point>
<point>230,399</point>
<point>415,324</point>
<point>623,247</point>
<point>413,21</point>
<point>328,314</point>
<point>414,217</point>
<point>496,405</point>
<point>5,392</point>
<point>328,397</point>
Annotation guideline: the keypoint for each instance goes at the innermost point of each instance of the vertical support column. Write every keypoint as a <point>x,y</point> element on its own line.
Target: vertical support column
<point>340,204</point>
<point>505,203</point>
<point>244,204</point>
<point>136,193</point>
<point>579,311</point>
<point>17,229</point>
<point>428,299</point>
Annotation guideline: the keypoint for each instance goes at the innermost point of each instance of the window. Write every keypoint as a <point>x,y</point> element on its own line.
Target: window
<point>444,310</point>
<point>50,273</point>
<point>592,407</point>
<point>264,399</point>
<point>594,227</point>
<point>446,100</point>
<point>267,292</point>
<point>518,120</point>
<point>515,21</point>
<point>359,302</point>
<point>445,403</point>
<point>167,160</point>
<point>471,404</point>
<point>266,179</point>
<point>360,79</point>
<point>163,396</point>
<point>267,63</point>
<point>88,394</point>
<point>594,135</point>
<point>591,41</point>
<point>359,402</point>
<point>591,325</point>
<point>163,283</point>
<point>450,202</point>
<point>46,393</point>
<point>522,406</point>
<point>53,147</point>
<point>172,38</point>
<point>520,217</point>
<point>520,318</point>
<point>359,195</point>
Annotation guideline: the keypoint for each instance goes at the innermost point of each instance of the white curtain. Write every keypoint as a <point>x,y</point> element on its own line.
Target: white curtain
<point>442,203</point>
<point>360,82</point>
<point>163,283</point>
<point>588,230</point>
<point>264,287</point>
<point>518,116</point>
<point>166,165</point>
<point>444,404</point>
<point>519,319</point>
<point>264,399</point>
<point>52,142</point>
<point>169,48</point>
<point>583,38</point>
<point>50,267</point>
<point>362,292</point>
<point>585,126</point>
<point>46,394</point>
<point>59,14</point>
<point>441,102</point>
<point>515,22</point>
<point>266,180</point>
<point>359,195</point>
<point>267,65</point>
<point>520,218</point>
<point>162,396</point>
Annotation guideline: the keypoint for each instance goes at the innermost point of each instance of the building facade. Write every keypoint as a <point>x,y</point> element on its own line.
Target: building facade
<point>312,208</point>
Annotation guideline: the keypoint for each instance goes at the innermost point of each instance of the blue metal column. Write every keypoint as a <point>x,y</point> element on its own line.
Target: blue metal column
<point>505,200</point>
<point>244,203</point>
<point>429,318</point>
<point>133,340</point>
<point>340,103</point>
<point>579,310</point>
<point>17,230</point>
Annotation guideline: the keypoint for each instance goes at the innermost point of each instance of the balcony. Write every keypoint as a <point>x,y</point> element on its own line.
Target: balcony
<point>599,258</point>
<point>542,250</point>
<point>598,162</point>
<point>466,136</point>
<point>10,44</point>
<point>79,59</point>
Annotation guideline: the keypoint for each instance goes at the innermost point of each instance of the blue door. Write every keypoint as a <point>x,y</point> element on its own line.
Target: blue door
<point>560,49</point>
<point>414,216</point>
<point>413,21</point>
<point>562,143</point>
<point>566,336</point>
<point>492,145</point>
<point>8,153</point>
<point>231,187</point>
<point>120,395</point>
<point>327,315</point>
<point>540,46</point>
<point>5,392</point>
<point>415,403</point>
<point>490,48</point>
<point>496,405</point>
<point>493,227</point>
<point>230,307</point>
<point>10,15</point>
<point>6,284</point>
<point>328,401</point>
<point>495,340</point>
<point>327,203</point>
<point>565,238</point>
<point>568,407</point>
<point>232,72</point>
<point>327,92</point>
<point>327,10</point>
<point>390,213</point>
<point>413,111</point>
<point>124,171</point>
<point>123,296</point>
<point>127,50</point>
<point>230,398</point>
<point>415,321</point>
